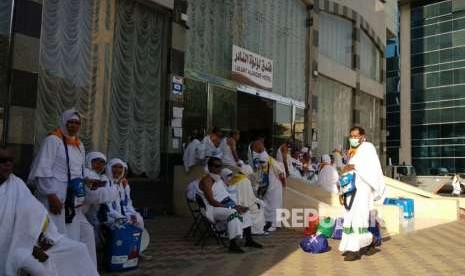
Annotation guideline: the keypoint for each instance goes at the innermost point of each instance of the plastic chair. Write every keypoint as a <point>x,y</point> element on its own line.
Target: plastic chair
<point>210,227</point>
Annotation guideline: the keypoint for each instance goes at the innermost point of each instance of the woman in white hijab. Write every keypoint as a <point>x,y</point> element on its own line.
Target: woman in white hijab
<point>116,171</point>
<point>95,172</point>
<point>60,158</point>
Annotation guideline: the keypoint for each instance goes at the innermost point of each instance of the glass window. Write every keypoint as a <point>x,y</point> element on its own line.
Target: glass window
<point>458,53</point>
<point>370,62</point>
<point>445,27</point>
<point>459,76</point>
<point>432,80</point>
<point>195,107</point>
<point>458,38</point>
<point>446,55</point>
<point>458,24</point>
<point>432,58</point>
<point>299,125</point>
<point>445,7</point>
<point>417,82</point>
<point>282,127</point>
<point>335,38</point>
<point>223,111</point>
<point>445,41</point>
<point>446,77</point>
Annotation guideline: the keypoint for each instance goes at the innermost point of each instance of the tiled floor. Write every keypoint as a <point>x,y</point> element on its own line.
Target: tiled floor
<point>435,251</point>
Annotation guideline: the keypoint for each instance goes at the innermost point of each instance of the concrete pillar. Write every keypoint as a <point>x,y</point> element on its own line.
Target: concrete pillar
<point>405,151</point>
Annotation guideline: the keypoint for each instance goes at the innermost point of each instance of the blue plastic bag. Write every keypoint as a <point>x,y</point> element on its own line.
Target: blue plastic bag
<point>347,183</point>
<point>338,229</point>
<point>315,244</point>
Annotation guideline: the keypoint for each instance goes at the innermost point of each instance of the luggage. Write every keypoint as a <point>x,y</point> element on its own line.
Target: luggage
<point>407,204</point>
<point>347,183</point>
<point>326,227</point>
<point>314,244</point>
<point>312,227</point>
<point>122,247</point>
<point>338,229</point>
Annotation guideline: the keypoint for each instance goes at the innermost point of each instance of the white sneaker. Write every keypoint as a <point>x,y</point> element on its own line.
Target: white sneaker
<point>271,229</point>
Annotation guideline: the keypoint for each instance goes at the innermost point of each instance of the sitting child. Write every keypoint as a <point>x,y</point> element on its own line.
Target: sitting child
<point>121,208</point>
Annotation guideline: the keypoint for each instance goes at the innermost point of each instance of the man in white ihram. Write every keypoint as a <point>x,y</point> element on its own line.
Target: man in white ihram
<point>370,187</point>
<point>29,239</point>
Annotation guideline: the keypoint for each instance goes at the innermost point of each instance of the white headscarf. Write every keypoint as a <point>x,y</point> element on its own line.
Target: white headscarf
<point>246,170</point>
<point>111,163</point>
<point>94,155</point>
<point>326,158</point>
<point>227,174</point>
<point>70,114</point>
<point>263,157</point>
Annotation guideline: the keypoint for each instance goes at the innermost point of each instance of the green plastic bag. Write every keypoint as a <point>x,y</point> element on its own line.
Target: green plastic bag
<point>326,227</point>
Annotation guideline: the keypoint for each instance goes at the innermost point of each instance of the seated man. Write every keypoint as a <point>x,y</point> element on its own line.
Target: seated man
<point>328,178</point>
<point>240,186</point>
<point>296,168</point>
<point>29,240</point>
<point>221,208</point>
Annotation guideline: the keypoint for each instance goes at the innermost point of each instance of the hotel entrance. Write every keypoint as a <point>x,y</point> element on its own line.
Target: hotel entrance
<point>275,118</point>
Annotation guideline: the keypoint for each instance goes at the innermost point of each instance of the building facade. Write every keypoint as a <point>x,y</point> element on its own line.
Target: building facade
<point>350,64</point>
<point>322,84</point>
<point>432,84</point>
<point>146,73</point>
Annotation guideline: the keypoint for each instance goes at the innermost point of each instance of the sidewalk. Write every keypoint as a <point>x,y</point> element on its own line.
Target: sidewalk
<point>435,251</point>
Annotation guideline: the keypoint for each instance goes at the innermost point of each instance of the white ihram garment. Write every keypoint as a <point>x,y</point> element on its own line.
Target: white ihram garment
<point>370,186</point>
<point>23,219</point>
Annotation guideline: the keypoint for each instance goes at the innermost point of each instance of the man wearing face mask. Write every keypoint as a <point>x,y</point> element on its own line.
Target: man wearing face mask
<point>220,207</point>
<point>369,187</point>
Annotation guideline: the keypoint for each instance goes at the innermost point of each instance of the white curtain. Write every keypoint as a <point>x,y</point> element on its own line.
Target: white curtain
<point>335,38</point>
<point>64,65</point>
<point>139,72</point>
<point>333,114</point>
<point>272,28</point>
<point>370,58</point>
<point>370,108</point>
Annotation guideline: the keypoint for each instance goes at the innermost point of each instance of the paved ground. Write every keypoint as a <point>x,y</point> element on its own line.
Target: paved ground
<point>435,251</point>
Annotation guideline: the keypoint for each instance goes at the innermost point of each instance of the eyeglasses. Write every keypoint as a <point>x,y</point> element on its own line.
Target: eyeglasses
<point>4,160</point>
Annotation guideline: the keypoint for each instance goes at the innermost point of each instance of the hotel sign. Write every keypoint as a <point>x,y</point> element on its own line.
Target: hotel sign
<point>251,69</point>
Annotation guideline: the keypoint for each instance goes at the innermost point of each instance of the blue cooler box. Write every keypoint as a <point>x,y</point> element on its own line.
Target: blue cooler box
<point>122,247</point>
<point>407,205</point>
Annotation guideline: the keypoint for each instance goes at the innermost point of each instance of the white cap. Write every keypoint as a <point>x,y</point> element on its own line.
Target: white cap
<point>325,158</point>
<point>226,173</point>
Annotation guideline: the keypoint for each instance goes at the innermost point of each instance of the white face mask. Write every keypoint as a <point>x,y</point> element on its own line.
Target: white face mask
<point>354,142</point>
<point>215,177</point>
